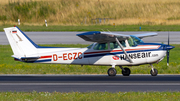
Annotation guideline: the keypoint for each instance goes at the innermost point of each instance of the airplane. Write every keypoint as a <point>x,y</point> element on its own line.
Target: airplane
<point>109,49</point>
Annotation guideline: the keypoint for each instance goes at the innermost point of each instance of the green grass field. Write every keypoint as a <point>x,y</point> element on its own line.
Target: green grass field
<point>90,96</point>
<point>9,66</point>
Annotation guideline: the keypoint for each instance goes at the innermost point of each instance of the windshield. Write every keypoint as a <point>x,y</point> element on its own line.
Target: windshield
<point>134,41</point>
<point>89,47</point>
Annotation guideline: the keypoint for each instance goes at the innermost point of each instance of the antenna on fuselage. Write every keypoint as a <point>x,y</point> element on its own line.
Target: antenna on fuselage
<point>109,31</point>
<point>102,30</point>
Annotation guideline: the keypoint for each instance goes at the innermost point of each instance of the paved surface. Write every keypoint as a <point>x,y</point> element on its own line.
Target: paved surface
<point>71,38</point>
<point>86,83</point>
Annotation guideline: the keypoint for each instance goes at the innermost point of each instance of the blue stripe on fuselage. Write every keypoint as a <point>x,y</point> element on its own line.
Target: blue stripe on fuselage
<point>42,60</point>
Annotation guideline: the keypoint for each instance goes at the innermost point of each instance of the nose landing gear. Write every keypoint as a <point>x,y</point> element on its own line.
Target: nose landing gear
<point>153,71</point>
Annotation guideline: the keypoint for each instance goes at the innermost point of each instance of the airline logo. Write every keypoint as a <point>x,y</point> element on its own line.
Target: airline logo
<point>115,58</point>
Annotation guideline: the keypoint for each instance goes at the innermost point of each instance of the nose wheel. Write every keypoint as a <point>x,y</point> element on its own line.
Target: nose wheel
<point>153,71</point>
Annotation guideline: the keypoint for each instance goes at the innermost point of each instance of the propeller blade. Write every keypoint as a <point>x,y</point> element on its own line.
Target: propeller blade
<point>168,51</point>
<point>167,57</point>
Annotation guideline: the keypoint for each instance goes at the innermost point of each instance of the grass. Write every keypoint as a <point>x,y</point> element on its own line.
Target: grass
<point>96,28</point>
<point>9,66</point>
<point>90,96</point>
<point>77,12</point>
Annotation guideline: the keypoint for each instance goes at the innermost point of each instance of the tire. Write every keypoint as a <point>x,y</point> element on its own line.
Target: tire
<point>127,72</point>
<point>111,72</point>
<point>154,73</point>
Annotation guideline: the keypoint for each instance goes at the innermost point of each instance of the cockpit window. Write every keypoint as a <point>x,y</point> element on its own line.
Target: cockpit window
<point>101,46</point>
<point>115,44</point>
<point>134,41</point>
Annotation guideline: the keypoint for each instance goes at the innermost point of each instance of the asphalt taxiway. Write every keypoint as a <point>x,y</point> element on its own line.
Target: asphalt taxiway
<point>87,83</point>
<point>71,38</point>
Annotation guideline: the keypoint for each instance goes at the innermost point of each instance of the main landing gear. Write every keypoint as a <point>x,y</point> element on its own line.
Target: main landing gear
<point>111,72</point>
<point>125,71</point>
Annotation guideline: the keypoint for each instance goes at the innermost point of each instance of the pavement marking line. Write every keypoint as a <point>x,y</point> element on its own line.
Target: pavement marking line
<point>90,84</point>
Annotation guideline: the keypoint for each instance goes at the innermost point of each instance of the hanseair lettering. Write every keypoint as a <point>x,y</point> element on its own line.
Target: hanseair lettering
<point>136,55</point>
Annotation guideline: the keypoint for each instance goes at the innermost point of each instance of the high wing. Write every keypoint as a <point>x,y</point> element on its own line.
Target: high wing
<point>145,35</point>
<point>102,37</point>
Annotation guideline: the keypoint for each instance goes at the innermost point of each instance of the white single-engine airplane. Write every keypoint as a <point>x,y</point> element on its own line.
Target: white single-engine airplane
<point>110,49</point>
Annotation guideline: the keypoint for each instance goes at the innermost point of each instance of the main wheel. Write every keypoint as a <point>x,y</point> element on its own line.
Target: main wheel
<point>111,72</point>
<point>127,72</point>
<point>154,73</point>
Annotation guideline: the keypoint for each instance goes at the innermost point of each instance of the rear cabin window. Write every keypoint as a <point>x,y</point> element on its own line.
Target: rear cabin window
<point>101,46</point>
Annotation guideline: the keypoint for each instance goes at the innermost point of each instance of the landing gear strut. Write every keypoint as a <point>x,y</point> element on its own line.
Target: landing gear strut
<point>125,71</point>
<point>111,72</point>
<point>153,71</point>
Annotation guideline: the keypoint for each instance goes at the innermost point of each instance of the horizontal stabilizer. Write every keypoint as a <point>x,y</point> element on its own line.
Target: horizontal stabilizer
<point>25,59</point>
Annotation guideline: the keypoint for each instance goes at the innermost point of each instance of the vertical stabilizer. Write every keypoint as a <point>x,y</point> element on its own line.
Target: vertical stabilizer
<point>21,45</point>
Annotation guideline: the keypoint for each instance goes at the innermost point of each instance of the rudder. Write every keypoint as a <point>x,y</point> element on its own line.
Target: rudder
<point>20,43</point>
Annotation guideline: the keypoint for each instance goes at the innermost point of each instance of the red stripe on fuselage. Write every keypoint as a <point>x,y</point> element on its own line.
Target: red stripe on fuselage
<point>49,56</point>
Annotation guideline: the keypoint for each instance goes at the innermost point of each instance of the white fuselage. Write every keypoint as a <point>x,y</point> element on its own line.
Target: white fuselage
<point>142,54</point>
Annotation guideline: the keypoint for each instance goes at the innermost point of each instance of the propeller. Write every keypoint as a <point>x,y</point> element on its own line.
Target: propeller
<point>168,51</point>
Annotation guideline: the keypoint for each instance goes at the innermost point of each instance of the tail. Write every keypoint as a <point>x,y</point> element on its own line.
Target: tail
<point>20,43</point>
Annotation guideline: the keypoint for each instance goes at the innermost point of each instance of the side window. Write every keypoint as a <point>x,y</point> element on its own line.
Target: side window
<point>101,46</point>
<point>115,44</point>
<point>123,43</point>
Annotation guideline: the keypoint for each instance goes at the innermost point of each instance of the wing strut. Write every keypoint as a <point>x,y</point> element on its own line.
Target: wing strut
<point>123,50</point>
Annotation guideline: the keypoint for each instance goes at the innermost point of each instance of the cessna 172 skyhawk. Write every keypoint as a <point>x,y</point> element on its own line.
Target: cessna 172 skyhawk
<point>109,49</point>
